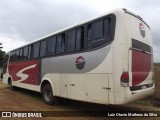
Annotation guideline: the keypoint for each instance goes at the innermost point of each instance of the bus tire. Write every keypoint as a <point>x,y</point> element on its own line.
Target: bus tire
<point>47,94</point>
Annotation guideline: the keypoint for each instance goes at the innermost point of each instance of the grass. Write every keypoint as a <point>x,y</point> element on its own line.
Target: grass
<point>154,99</point>
<point>157,80</point>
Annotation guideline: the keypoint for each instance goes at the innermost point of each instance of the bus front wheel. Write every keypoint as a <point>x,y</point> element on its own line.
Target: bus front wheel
<point>47,94</point>
<point>10,85</point>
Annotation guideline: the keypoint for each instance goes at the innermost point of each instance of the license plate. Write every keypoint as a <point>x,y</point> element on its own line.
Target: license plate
<point>144,87</point>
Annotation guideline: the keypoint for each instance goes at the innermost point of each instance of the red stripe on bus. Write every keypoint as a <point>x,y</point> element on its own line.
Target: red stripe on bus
<point>141,66</point>
<point>25,72</point>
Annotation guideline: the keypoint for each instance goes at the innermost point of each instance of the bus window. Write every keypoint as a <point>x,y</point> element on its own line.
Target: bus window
<point>71,41</point>
<point>17,55</point>
<point>51,46</point>
<point>25,53</point>
<point>97,30</point>
<point>21,54</point>
<point>11,56</point>
<point>89,32</point>
<point>60,44</point>
<point>63,44</point>
<point>36,50</point>
<point>96,33</point>
<point>107,26</point>
<point>79,39</point>
<point>43,49</point>
<point>14,55</point>
<point>30,51</point>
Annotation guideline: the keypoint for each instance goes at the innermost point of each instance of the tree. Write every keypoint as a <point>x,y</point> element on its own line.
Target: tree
<point>2,62</point>
<point>2,57</point>
<point>1,46</point>
<point>1,53</point>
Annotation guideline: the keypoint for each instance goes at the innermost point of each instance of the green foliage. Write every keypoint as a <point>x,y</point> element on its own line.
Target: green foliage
<point>2,58</point>
<point>2,55</point>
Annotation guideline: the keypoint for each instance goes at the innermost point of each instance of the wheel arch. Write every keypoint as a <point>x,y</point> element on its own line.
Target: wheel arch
<point>44,82</point>
<point>9,80</point>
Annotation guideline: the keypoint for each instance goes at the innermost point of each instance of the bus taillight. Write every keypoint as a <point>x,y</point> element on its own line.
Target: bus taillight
<point>125,79</point>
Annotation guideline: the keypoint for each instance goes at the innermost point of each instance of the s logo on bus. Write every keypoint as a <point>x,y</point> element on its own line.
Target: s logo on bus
<point>142,30</point>
<point>80,62</point>
<point>22,75</point>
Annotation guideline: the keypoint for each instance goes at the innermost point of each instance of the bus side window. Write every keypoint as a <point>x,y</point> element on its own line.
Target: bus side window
<point>60,44</point>
<point>36,50</point>
<point>30,50</point>
<point>51,42</point>
<point>98,33</point>
<point>89,35</point>
<point>107,26</point>
<point>95,31</point>
<point>71,41</point>
<point>21,54</point>
<point>17,55</point>
<point>43,48</point>
<point>11,56</point>
<point>14,55</point>
<point>25,53</point>
<point>79,39</point>
<point>63,44</point>
<point>89,32</point>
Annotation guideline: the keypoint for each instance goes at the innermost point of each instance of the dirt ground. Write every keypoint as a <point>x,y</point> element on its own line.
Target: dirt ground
<point>24,100</point>
<point>157,80</point>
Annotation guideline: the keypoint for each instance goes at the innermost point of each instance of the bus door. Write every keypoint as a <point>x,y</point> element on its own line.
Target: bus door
<point>77,87</point>
<point>64,85</point>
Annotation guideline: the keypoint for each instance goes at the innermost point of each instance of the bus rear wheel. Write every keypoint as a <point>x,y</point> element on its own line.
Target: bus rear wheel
<point>47,94</point>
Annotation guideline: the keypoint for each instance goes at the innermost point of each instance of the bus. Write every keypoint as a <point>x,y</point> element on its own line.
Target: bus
<point>106,60</point>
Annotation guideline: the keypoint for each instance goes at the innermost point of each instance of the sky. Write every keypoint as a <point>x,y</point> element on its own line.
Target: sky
<point>23,21</point>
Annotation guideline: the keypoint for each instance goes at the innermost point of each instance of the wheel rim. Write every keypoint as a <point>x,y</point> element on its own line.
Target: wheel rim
<point>48,95</point>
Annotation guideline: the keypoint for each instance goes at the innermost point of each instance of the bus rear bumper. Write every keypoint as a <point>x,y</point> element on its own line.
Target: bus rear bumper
<point>131,96</point>
<point>136,95</point>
